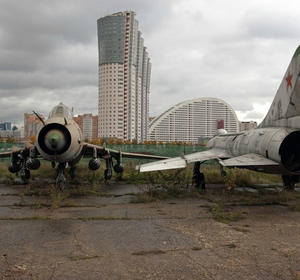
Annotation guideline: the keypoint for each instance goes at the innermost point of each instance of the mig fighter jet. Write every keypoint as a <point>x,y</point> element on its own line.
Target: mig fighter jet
<point>274,147</point>
<point>60,141</point>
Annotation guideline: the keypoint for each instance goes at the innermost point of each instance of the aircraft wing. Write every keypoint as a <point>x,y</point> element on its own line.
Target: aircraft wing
<point>5,154</point>
<point>14,149</point>
<point>90,149</point>
<point>183,161</point>
<point>248,160</point>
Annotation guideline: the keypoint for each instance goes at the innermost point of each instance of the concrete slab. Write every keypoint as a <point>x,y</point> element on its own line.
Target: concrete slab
<point>111,238</point>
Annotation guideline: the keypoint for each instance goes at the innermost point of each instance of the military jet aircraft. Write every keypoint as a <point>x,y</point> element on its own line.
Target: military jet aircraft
<point>60,141</point>
<point>274,147</point>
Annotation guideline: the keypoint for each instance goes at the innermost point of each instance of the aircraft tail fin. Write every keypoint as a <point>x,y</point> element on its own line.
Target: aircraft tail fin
<point>285,108</point>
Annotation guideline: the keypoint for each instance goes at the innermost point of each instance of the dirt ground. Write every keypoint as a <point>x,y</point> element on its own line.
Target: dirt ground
<point>108,237</point>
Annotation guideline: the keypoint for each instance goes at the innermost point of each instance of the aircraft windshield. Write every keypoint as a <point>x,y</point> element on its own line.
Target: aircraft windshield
<point>60,111</point>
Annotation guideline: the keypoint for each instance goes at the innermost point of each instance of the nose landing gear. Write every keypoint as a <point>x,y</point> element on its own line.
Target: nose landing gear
<point>289,181</point>
<point>60,179</point>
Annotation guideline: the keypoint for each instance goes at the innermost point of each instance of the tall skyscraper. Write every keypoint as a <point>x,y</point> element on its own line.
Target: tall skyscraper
<point>124,78</point>
<point>5,126</point>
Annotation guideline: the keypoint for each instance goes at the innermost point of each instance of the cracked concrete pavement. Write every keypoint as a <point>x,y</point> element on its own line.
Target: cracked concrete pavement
<point>107,237</point>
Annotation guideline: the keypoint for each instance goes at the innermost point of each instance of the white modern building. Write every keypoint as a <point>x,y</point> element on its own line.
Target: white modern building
<point>124,78</point>
<point>194,119</point>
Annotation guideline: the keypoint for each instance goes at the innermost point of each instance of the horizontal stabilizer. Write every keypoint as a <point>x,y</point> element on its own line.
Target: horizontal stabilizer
<point>248,160</point>
<point>172,163</point>
<point>181,162</point>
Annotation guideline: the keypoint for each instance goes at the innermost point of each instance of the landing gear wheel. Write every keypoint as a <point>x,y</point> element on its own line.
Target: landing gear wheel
<point>289,182</point>
<point>60,180</point>
<point>202,181</point>
<point>107,174</point>
<point>223,173</point>
<point>73,172</point>
<point>25,175</point>
<point>198,177</point>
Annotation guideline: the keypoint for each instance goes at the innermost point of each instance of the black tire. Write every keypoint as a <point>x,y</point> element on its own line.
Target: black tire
<point>288,182</point>
<point>72,172</point>
<point>223,173</point>
<point>107,174</point>
<point>25,175</point>
<point>202,181</point>
<point>61,182</point>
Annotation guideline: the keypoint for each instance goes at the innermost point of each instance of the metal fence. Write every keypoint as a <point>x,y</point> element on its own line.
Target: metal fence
<point>5,147</point>
<point>159,149</point>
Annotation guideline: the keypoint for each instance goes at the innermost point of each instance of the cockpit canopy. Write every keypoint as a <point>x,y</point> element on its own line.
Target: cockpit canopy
<point>60,111</point>
<point>220,131</point>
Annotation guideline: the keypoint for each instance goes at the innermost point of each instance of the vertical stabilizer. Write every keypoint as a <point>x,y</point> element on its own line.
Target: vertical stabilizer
<point>285,109</point>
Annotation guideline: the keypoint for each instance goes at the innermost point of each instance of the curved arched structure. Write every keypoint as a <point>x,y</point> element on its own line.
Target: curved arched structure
<point>193,119</point>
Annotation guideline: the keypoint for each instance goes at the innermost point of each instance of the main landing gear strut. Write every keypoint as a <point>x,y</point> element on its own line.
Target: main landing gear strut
<point>60,178</point>
<point>289,181</point>
<point>108,170</point>
<point>198,177</point>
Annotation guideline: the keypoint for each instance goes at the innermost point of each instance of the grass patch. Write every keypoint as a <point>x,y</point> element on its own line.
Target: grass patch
<point>250,199</point>
<point>151,252</point>
<point>143,198</point>
<point>28,218</point>
<point>295,207</point>
<point>49,205</point>
<point>85,219</point>
<point>102,218</point>
<point>231,245</point>
<point>195,248</point>
<point>32,205</point>
<point>83,258</point>
<point>75,205</point>
<point>240,229</point>
<point>222,215</point>
<point>169,178</point>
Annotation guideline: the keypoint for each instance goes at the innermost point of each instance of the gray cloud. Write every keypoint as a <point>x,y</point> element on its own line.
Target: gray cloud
<point>48,51</point>
<point>254,115</point>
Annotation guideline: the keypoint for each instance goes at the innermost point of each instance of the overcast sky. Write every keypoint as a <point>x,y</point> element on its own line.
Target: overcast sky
<point>234,50</point>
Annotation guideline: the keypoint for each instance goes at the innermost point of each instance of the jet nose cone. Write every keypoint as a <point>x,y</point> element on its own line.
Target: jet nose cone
<point>55,140</point>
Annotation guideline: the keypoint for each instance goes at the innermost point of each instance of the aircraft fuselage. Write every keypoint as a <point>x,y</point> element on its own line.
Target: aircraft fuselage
<point>60,140</point>
<point>278,144</point>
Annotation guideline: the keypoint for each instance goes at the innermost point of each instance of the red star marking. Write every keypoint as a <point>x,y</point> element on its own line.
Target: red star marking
<point>289,81</point>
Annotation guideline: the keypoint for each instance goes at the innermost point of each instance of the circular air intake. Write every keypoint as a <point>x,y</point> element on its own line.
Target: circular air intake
<point>54,139</point>
<point>290,151</point>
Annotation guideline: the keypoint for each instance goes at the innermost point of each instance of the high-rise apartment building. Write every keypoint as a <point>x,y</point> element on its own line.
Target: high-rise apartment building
<point>88,125</point>
<point>124,78</point>
<point>32,124</point>
<point>5,126</point>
